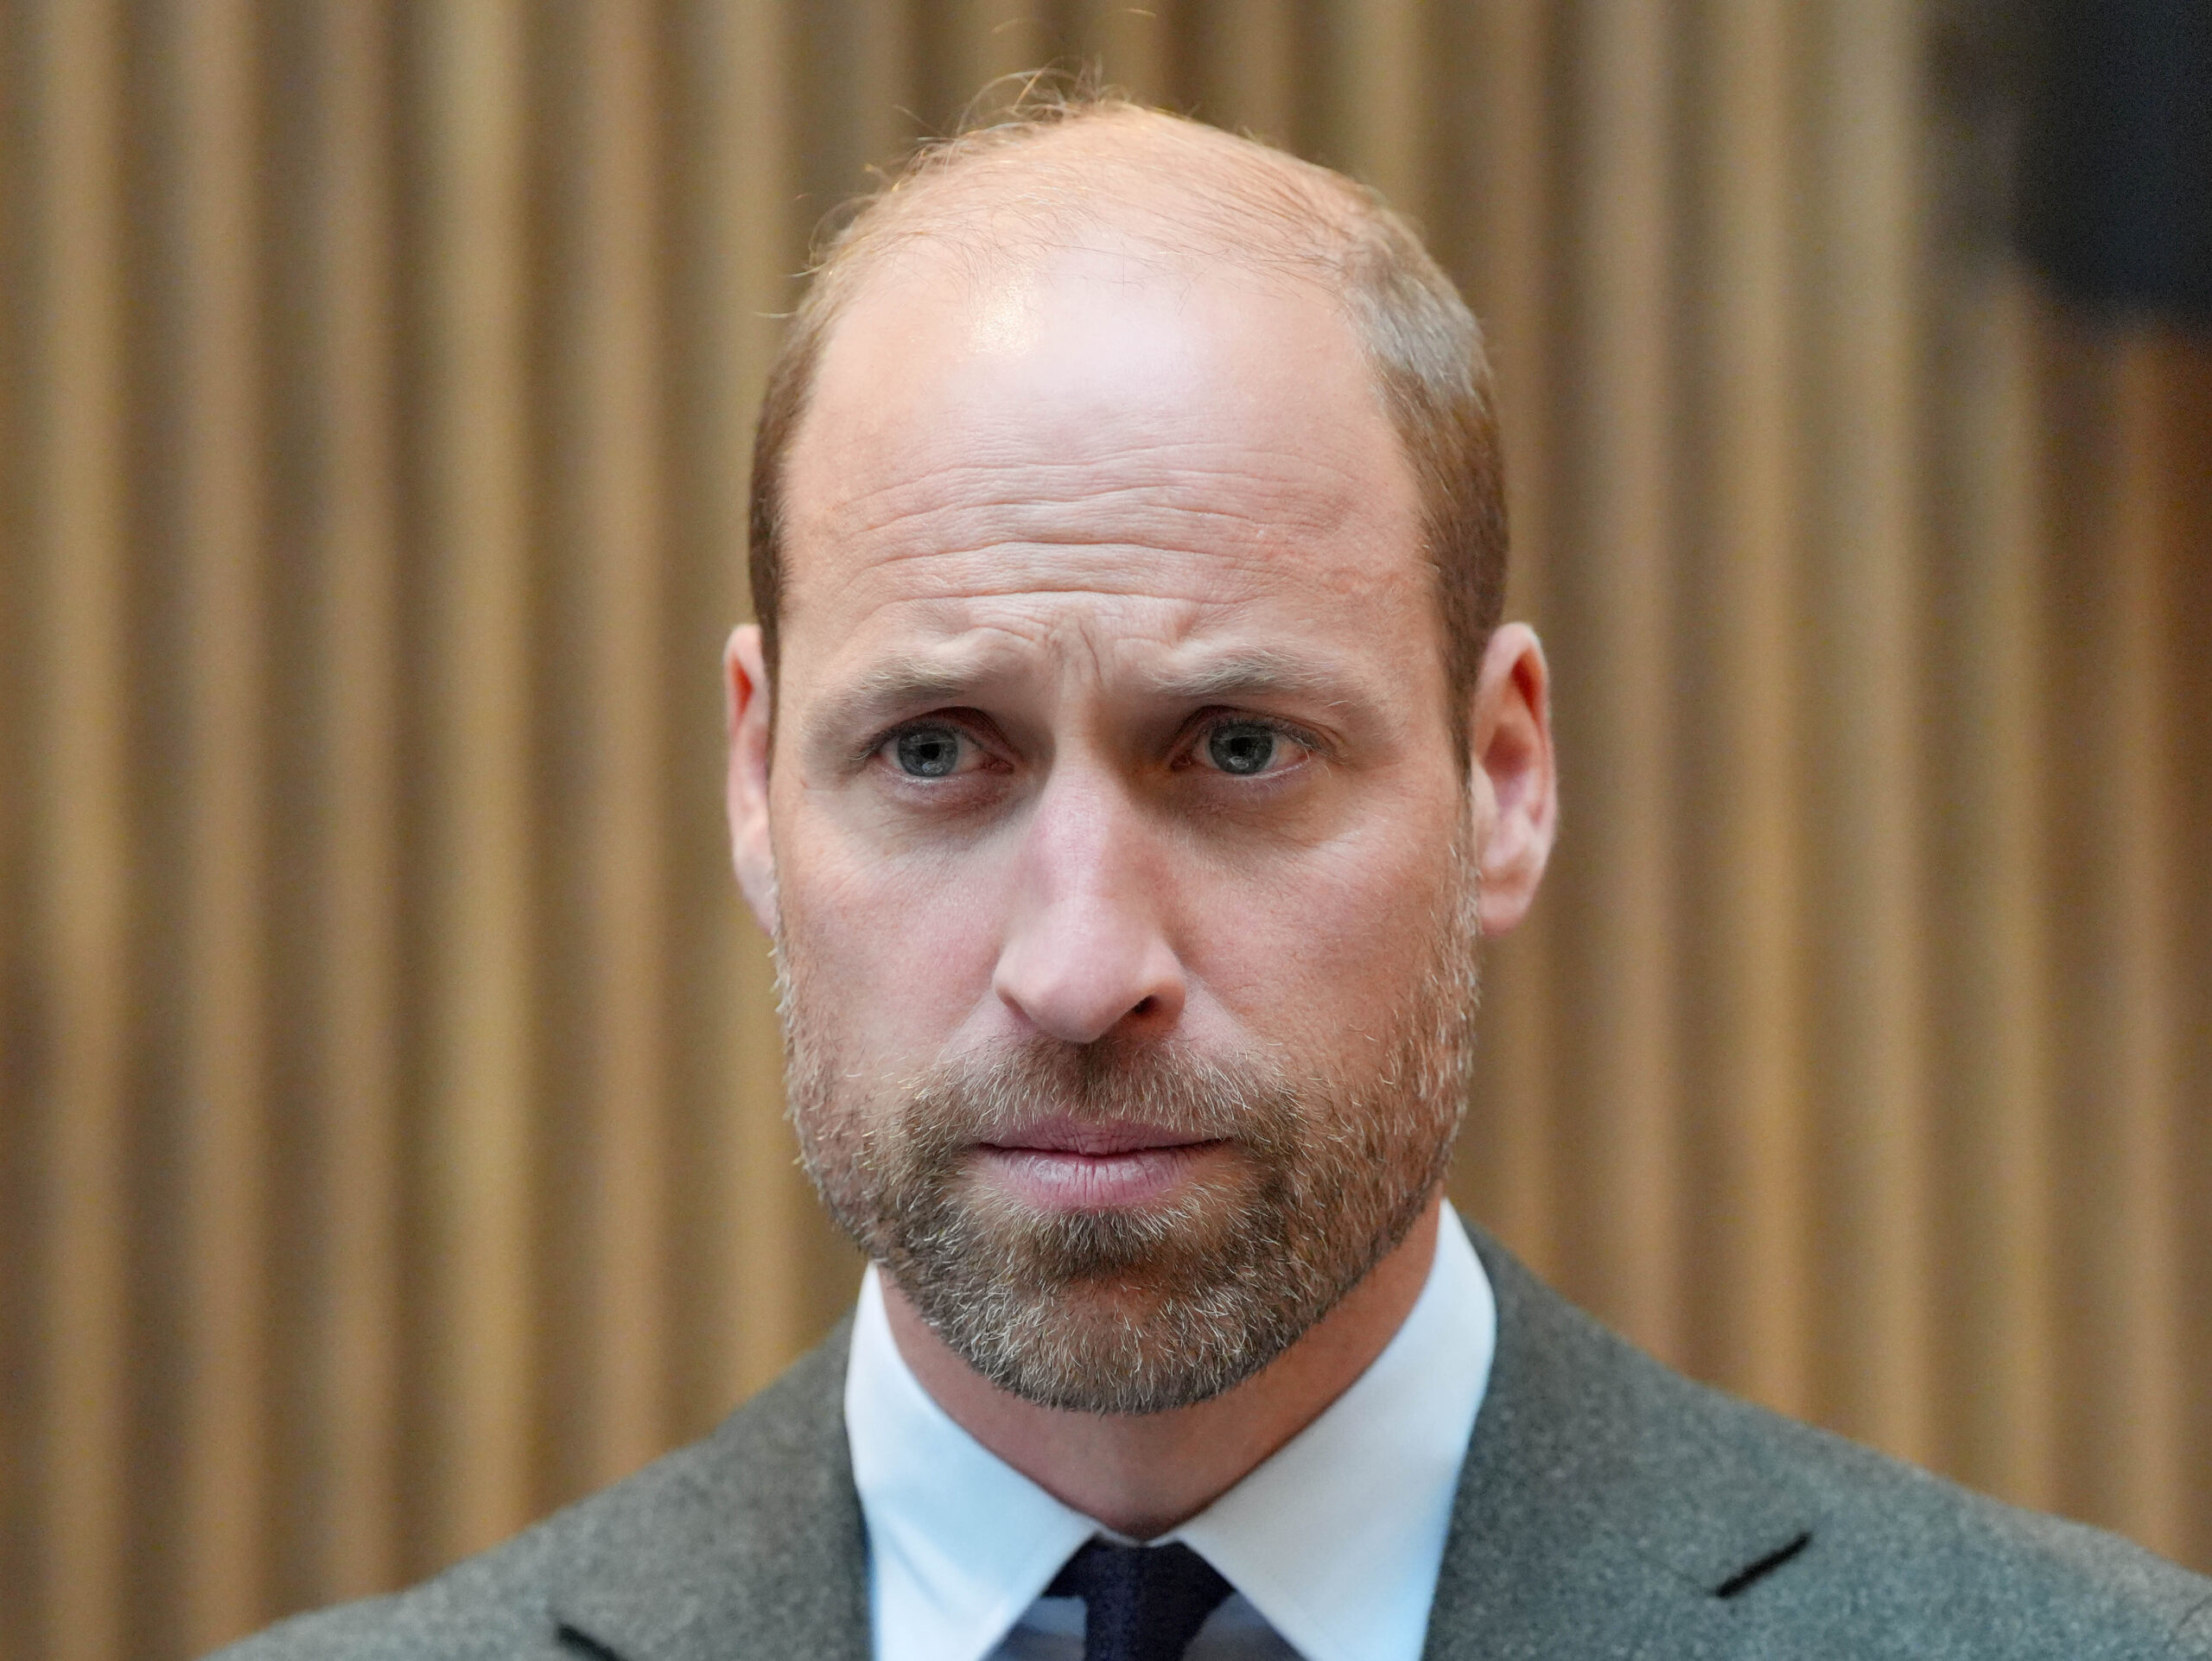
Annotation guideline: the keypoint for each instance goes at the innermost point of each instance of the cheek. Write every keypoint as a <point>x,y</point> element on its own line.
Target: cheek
<point>1319,950</point>
<point>898,952</point>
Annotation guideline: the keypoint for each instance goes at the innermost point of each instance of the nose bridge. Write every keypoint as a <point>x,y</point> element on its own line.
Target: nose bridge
<point>1081,838</point>
<point>1085,949</point>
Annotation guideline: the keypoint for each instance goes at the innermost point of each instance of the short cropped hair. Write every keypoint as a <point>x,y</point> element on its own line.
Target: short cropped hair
<point>1188,189</point>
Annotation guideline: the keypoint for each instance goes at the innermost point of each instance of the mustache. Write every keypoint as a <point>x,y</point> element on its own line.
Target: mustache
<point>1171,1087</point>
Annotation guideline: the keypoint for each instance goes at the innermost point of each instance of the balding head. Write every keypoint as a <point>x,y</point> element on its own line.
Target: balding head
<point>1061,176</point>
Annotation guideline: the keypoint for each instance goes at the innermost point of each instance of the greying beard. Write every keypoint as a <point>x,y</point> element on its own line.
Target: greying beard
<point>1152,1308</point>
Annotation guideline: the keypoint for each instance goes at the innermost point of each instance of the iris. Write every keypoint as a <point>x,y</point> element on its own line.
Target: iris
<point>1241,749</point>
<point>928,752</point>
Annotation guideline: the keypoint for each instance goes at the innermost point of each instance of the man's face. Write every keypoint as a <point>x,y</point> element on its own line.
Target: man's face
<point>1122,869</point>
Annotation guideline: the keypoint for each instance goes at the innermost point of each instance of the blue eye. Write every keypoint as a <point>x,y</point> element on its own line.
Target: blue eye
<point>1243,747</point>
<point>927,752</point>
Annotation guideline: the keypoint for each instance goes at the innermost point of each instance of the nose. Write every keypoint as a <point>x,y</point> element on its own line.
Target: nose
<point>1084,953</point>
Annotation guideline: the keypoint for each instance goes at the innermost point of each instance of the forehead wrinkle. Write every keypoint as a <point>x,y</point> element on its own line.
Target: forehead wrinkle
<point>1127,545</point>
<point>1105,518</point>
<point>1036,543</point>
<point>1004,544</point>
<point>959,587</point>
<point>969,588</point>
<point>1326,491</point>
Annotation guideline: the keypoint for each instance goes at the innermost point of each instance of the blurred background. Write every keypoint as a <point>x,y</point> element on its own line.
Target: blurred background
<point>390,1144</point>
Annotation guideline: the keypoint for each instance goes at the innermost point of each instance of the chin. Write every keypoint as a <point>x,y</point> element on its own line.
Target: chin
<point>1128,1311</point>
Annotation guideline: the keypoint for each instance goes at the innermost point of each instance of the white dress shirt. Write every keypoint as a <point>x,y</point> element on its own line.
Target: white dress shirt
<point>1332,1545</point>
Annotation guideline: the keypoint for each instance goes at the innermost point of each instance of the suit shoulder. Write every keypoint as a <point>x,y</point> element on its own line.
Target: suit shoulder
<point>1893,1549</point>
<point>493,1606</point>
<point>1797,1541</point>
<point>498,1605</point>
<point>455,1617</point>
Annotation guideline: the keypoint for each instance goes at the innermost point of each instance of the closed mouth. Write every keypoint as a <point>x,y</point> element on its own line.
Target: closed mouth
<point>1074,1137</point>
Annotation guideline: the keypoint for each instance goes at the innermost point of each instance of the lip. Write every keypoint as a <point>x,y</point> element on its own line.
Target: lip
<point>1061,1165</point>
<point>1061,1135</point>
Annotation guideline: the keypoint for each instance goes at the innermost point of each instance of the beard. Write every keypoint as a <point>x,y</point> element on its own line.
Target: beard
<point>1143,1309</point>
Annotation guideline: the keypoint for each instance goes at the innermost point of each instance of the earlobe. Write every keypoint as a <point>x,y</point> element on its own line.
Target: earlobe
<point>747,692</point>
<point>1513,775</point>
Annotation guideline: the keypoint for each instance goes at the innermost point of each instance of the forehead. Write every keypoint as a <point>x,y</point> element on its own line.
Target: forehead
<point>1102,438</point>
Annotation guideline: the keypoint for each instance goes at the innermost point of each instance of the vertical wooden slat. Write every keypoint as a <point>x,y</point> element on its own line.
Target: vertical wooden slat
<point>1133,44</point>
<point>1740,675</point>
<point>967,45</point>
<point>227,1075</point>
<point>481,1151</point>
<point>1862,612</point>
<point>1992,1236</point>
<point>1490,199</point>
<point>755,1206</point>
<point>2075,420</point>
<point>2125,608</point>
<point>1243,67</point>
<point>614,413</point>
<point>766,1204</point>
<point>2185,608</point>
<point>2146,1485</point>
<point>1374,93</point>
<point>1612,596</point>
<point>23,1050</point>
<point>85,837</point>
<point>356,458</point>
<point>854,67</point>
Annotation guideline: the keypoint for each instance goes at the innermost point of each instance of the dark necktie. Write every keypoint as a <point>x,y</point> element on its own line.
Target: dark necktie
<point>1140,1603</point>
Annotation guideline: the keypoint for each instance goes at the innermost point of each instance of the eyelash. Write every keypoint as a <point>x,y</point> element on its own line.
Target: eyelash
<point>1185,753</point>
<point>878,746</point>
<point>1296,735</point>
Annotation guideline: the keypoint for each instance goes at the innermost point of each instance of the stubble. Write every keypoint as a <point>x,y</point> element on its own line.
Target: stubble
<point>1145,1308</point>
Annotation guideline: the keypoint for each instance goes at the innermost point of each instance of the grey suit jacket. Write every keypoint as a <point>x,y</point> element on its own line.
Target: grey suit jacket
<point>1607,1507</point>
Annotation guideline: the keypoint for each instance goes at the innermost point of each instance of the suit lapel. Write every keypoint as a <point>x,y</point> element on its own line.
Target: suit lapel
<point>754,1548</point>
<point>1602,1505</point>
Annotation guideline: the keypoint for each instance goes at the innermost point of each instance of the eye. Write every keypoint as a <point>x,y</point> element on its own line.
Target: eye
<point>928,752</point>
<point>1247,748</point>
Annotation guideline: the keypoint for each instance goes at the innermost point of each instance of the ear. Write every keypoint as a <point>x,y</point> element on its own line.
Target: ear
<point>1513,774</point>
<point>744,680</point>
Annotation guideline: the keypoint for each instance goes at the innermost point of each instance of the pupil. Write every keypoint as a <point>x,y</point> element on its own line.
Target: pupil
<point>1242,749</point>
<point>931,753</point>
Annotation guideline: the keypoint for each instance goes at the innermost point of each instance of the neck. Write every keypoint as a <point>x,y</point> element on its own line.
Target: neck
<point>1140,1474</point>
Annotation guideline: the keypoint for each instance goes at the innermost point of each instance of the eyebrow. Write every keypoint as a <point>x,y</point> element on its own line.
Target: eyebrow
<point>901,684</point>
<point>906,683</point>
<point>1251,673</point>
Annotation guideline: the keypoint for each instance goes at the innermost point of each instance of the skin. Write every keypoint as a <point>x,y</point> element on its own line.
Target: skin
<point>1087,513</point>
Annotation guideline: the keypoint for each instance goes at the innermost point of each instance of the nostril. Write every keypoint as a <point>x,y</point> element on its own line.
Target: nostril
<point>1145,1006</point>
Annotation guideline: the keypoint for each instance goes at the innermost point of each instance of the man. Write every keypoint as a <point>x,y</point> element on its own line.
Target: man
<point>1127,761</point>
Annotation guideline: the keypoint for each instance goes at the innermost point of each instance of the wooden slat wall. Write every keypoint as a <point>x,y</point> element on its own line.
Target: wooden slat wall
<point>390,1146</point>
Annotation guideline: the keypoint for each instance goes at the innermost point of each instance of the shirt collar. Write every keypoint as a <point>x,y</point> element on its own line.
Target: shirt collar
<point>1335,1539</point>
